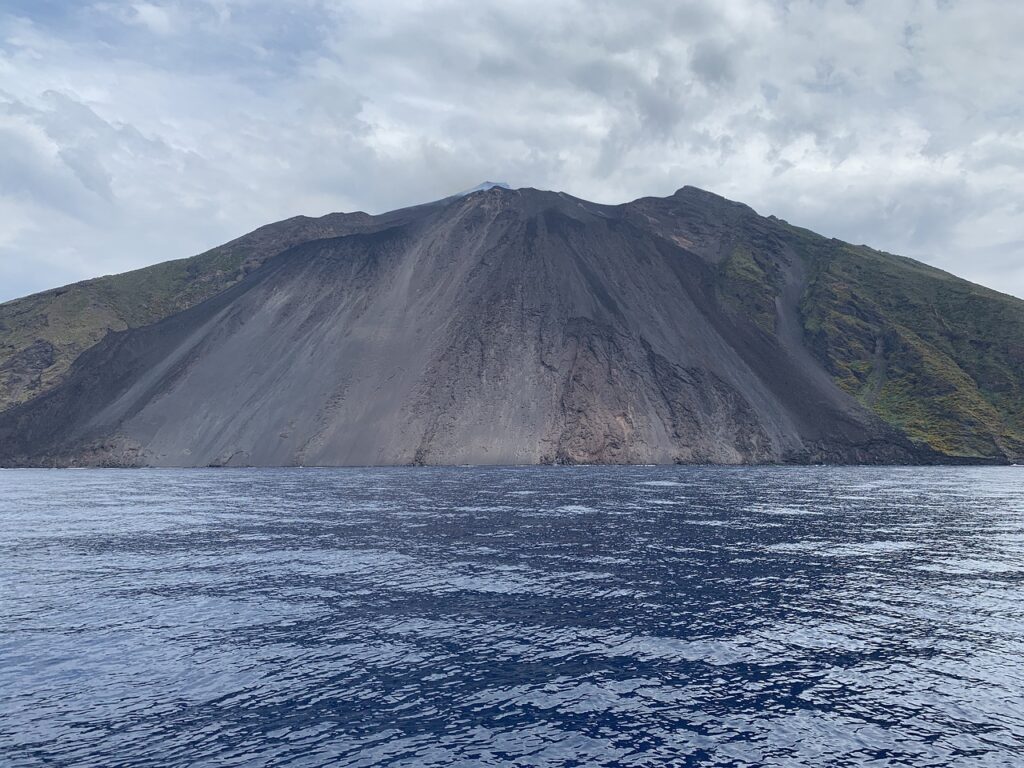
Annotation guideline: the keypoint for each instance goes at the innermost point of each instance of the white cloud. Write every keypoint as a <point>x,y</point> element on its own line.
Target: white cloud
<point>136,132</point>
<point>153,17</point>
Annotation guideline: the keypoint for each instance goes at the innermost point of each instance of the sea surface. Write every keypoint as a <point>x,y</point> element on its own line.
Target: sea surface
<point>524,616</point>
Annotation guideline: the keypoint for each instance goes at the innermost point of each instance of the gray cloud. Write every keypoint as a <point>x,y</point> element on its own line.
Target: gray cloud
<point>142,130</point>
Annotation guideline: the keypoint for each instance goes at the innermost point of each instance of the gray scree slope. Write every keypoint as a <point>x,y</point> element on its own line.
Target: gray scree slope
<point>504,326</point>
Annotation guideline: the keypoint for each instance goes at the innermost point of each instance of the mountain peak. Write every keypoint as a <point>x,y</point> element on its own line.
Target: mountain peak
<point>484,186</point>
<point>707,198</point>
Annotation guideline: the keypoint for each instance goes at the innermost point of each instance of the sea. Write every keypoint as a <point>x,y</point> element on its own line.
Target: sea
<point>546,616</point>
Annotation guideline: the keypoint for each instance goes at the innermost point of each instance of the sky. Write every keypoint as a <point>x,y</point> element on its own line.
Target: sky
<point>136,132</point>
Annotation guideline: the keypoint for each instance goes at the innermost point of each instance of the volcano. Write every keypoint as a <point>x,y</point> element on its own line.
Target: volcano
<point>517,326</point>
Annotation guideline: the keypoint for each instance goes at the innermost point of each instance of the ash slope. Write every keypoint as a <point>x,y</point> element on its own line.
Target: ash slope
<point>42,335</point>
<point>506,326</point>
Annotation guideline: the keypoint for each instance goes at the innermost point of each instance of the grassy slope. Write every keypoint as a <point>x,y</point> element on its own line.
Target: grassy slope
<point>42,335</point>
<point>748,282</point>
<point>937,356</point>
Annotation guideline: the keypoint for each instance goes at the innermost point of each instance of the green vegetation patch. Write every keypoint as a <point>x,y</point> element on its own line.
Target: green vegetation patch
<point>747,286</point>
<point>936,356</point>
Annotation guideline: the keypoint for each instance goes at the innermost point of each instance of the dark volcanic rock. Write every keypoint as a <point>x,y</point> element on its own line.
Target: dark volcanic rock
<point>504,326</point>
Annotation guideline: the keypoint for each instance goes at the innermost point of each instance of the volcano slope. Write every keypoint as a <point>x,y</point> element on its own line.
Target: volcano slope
<point>522,326</point>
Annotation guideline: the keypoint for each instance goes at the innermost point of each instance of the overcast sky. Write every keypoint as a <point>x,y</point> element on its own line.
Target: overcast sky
<point>135,132</point>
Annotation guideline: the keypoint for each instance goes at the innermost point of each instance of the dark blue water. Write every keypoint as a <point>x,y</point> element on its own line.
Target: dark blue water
<point>535,617</point>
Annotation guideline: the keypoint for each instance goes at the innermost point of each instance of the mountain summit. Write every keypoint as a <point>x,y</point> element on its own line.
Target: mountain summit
<point>484,186</point>
<point>517,326</point>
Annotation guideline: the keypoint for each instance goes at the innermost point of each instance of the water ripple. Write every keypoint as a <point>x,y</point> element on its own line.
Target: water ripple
<point>535,617</point>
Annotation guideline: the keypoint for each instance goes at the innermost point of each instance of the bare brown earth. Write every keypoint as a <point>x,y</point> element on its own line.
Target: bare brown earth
<point>506,326</point>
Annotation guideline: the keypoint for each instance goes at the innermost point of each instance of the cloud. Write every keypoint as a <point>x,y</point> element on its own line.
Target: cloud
<point>134,132</point>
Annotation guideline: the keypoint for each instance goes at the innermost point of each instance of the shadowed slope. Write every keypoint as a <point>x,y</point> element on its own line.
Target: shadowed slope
<point>42,335</point>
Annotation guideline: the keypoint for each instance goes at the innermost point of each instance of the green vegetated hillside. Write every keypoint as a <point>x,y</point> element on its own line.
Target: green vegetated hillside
<point>42,335</point>
<point>748,283</point>
<point>936,356</point>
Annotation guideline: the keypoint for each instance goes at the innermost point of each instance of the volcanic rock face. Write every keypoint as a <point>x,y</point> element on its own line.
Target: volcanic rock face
<point>502,326</point>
